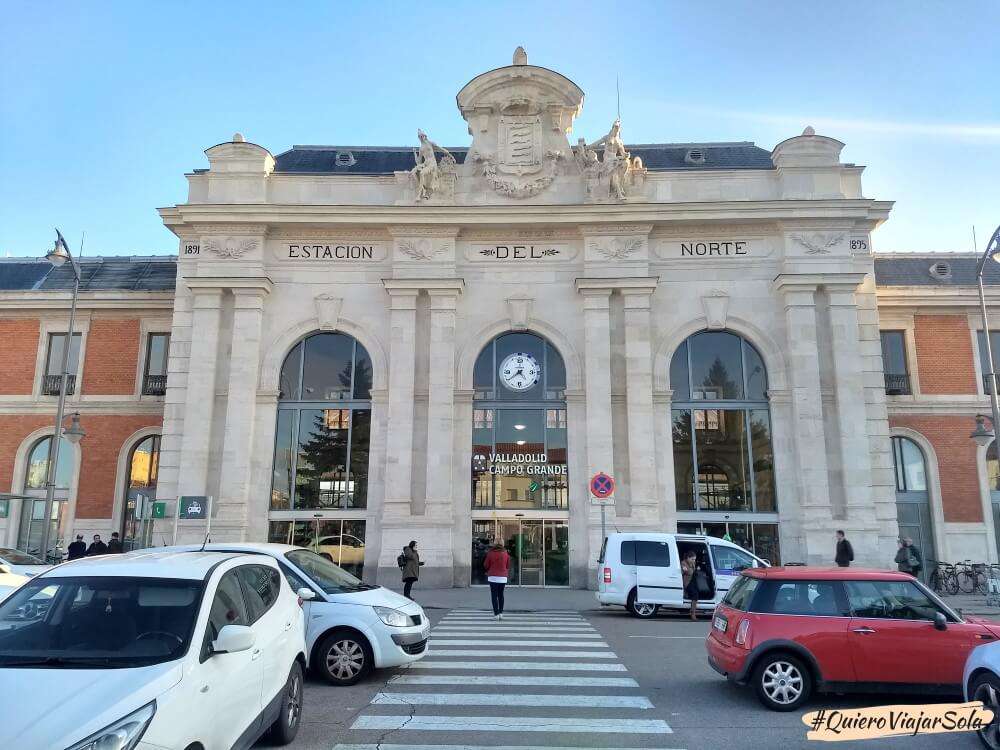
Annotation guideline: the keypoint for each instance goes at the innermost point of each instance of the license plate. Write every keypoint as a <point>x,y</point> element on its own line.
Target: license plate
<point>720,624</point>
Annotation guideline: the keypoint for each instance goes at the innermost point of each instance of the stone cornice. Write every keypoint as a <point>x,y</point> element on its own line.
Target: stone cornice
<point>422,231</point>
<point>243,284</point>
<point>923,296</point>
<point>22,301</point>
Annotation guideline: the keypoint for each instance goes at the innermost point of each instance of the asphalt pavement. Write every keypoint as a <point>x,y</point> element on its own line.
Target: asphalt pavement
<point>591,678</point>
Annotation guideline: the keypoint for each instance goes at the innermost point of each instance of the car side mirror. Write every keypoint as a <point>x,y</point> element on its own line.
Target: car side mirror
<point>940,621</point>
<point>306,594</point>
<point>233,638</point>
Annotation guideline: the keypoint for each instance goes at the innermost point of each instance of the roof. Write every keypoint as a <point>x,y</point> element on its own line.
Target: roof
<point>156,273</point>
<point>373,160</point>
<point>913,269</point>
<point>156,563</point>
<point>805,572</point>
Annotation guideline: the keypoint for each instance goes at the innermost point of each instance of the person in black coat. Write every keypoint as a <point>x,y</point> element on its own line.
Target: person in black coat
<point>114,544</point>
<point>77,549</point>
<point>845,553</point>
<point>97,547</point>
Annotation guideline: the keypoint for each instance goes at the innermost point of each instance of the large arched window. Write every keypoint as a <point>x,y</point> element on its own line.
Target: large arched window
<point>143,467</point>
<point>913,508</point>
<point>29,535</point>
<point>723,459</point>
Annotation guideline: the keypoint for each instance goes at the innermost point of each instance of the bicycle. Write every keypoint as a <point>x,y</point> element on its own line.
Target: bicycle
<point>971,577</point>
<point>943,578</point>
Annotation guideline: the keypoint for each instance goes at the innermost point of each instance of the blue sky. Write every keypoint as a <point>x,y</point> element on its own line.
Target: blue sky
<point>105,105</point>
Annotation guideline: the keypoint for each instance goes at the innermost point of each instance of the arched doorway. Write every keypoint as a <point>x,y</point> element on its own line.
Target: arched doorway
<point>723,459</point>
<point>520,487</point>
<point>143,467</point>
<point>913,506</point>
<point>319,487</point>
<point>29,532</point>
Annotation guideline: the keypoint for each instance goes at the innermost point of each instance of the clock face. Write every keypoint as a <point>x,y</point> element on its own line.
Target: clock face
<point>520,371</point>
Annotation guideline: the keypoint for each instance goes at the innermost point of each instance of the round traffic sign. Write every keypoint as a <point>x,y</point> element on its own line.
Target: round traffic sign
<point>602,485</point>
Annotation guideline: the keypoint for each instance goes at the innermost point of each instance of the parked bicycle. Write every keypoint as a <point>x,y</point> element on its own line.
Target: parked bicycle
<point>943,578</point>
<point>971,577</point>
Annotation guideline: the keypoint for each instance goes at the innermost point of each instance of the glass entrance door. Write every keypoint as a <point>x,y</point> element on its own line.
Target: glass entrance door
<point>539,550</point>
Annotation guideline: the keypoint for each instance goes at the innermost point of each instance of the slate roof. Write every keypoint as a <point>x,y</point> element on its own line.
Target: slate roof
<point>904,269</point>
<point>373,160</point>
<point>124,274</point>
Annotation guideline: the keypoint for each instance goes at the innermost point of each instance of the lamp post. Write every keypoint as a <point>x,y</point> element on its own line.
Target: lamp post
<point>57,256</point>
<point>992,252</point>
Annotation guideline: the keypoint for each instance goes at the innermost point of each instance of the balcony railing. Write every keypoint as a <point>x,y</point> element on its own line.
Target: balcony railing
<point>986,384</point>
<point>897,384</point>
<point>154,385</point>
<point>52,383</point>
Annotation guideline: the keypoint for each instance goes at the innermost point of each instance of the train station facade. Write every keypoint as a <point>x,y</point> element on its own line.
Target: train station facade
<point>372,345</point>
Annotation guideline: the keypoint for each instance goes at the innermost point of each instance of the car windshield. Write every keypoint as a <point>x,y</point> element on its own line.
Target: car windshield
<point>328,576</point>
<point>16,557</point>
<point>98,622</point>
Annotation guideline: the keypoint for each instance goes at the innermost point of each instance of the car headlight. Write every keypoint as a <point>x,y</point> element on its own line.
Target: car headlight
<point>124,734</point>
<point>392,617</point>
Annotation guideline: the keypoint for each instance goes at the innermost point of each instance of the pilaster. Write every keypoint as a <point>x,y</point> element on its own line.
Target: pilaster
<point>402,363</point>
<point>643,495</point>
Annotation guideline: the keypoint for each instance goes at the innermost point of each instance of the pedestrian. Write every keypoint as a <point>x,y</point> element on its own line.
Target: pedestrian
<point>411,567</point>
<point>114,544</point>
<point>497,565</point>
<point>77,549</point>
<point>97,547</point>
<point>902,558</point>
<point>845,552</point>
<point>916,558</point>
<point>689,569</point>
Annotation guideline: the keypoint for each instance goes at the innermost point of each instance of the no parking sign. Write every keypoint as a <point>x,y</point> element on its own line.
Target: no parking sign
<point>602,487</point>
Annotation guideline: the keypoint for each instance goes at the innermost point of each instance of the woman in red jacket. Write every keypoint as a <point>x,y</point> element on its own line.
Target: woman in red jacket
<point>497,564</point>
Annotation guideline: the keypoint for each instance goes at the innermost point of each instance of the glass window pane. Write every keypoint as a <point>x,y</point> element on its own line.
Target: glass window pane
<point>763,460</point>
<point>38,465</point>
<point>723,464</point>
<point>483,374</point>
<point>56,343</point>
<point>817,598</point>
<point>679,375</point>
<point>628,553</point>
<point>284,452</point>
<point>521,343</point>
<point>683,459</point>
<point>362,373</point>
<point>893,353</point>
<point>357,496</point>
<point>554,374</point>
<point>716,365</point>
<point>913,466</point>
<point>291,371</point>
<point>321,470</point>
<point>352,547</point>
<point>895,600</point>
<point>992,467</point>
<point>765,542</point>
<point>520,457</point>
<point>652,554</point>
<point>556,553</point>
<point>756,373</point>
<point>483,534</point>
<point>156,362</point>
<point>482,449</point>
<point>326,374</point>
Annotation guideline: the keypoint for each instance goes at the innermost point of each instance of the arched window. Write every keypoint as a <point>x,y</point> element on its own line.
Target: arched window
<point>29,536</point>
<point>913,508</point>
<point>143,467</point>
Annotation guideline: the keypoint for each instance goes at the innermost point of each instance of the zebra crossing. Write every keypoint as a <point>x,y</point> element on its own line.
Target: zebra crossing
<point>481,677</point>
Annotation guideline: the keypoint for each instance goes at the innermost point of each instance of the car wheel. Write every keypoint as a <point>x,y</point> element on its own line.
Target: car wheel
<point>344,658</point>
<point>641,610</point>
<point>986,688</point>
<point>286,726</point>
<point>782,682</point>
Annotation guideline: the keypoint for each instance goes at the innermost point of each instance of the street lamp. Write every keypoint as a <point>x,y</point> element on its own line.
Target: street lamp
<point>983,435</point>
<point>57,256</point>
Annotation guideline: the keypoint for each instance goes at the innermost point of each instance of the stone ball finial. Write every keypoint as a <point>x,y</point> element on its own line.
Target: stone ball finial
<point>520,56</point>
<point>809,130</point>
<point>238,138</point>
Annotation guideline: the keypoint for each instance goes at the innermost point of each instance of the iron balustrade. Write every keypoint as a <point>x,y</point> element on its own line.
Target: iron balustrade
<point>154,385</point>
<point>897,384</point>
<point>52,383</point>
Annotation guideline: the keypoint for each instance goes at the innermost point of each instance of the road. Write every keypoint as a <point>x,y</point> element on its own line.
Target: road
<point>564,679</point>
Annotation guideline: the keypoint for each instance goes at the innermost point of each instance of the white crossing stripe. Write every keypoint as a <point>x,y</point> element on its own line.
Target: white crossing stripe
<point>511,724</point>
<point>509,653</point>
<point>448,641</point>
<point>465,632</point>
<point>492,664</point>
<point>515,628</point>
<point>387,746</point>
<point>519,680</point>
<point>506,699</point>
<point>547,618</point>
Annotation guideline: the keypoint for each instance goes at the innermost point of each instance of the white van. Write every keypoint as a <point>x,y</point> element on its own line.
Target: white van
<point>642,572</point>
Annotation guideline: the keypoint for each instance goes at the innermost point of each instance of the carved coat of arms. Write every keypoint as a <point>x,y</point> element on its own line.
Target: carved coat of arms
<point>519,142</point>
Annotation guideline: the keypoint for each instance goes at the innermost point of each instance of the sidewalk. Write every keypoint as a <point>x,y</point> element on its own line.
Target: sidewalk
<point>972,604</point>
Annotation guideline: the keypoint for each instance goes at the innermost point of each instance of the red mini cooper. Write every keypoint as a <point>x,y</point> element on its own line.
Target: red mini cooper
<point>790,631</point>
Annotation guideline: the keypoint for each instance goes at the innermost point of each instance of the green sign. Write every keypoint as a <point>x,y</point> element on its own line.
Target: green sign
<point>192,507</point>
<point>533,487</point>
<point>159,510</point>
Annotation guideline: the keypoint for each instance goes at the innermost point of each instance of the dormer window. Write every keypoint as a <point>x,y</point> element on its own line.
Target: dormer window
<point>345,159</point>
<point>695,156</point>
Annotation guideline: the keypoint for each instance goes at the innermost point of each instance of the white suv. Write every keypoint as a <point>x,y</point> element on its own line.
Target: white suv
<point>351,627</point>
<point>152,650</point>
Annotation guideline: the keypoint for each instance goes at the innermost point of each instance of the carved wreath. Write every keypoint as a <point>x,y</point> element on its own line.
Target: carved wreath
<point>619,249</point>
<point>421,250</point>
<point>230,248</point>
<point>821,246</point>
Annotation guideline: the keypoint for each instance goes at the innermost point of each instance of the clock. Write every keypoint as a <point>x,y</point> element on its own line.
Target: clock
<point>520,371</point>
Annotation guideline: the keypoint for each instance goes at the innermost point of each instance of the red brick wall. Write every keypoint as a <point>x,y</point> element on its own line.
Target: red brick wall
<point>956,461</point>
<point>106,434</point>
<point>18,350</point>
<point>110,360</point>
<point>944,354</point>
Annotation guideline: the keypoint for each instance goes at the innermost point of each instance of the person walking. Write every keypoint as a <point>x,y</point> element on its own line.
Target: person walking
<point>411,567</point>
<point>77,549</point>
<point>845,552</point>
<point>497,566</point>
<point>689,569</point>
<point>916,558</point>
<point>97,547</point>
<point>902,558</point>
<point>114,544</point>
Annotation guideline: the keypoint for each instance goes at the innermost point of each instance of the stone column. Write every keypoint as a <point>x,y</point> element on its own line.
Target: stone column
<point>199,406</point>
<point>643,495</point>
<point>441,400</point>
<point>241,403</point>
<point>812,477</point>
<point>402,363</point>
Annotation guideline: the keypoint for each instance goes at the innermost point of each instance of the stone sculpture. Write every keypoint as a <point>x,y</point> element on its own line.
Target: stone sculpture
<point>429,175</point>
<point>614,176</point>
